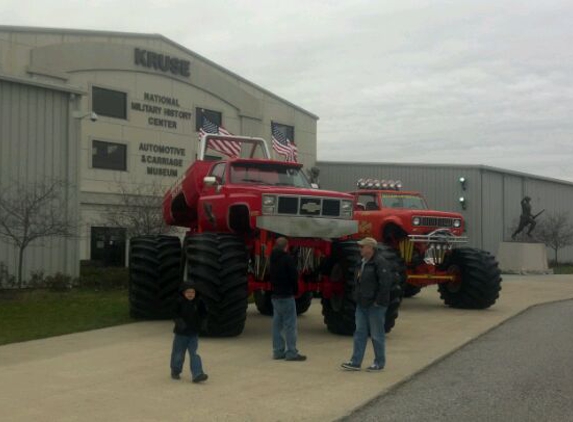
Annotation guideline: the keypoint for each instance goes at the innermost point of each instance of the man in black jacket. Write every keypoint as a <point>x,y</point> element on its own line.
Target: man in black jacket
<point>284,282</point>
<point>189,313</point>
<point>372,283</point>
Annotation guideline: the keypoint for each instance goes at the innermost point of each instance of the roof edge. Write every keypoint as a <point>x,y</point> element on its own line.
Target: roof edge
<point>461,166</point>
<point>42,84</point>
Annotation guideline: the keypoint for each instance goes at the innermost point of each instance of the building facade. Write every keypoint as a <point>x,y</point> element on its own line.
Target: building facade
<point>491,196</point>
<point>151,96</point>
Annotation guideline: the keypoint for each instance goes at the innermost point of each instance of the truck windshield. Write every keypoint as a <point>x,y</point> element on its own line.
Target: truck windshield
<point>411,202</point>
<point>268,174</point>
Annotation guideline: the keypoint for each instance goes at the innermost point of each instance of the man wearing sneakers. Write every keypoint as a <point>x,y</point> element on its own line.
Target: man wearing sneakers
<point>284,282</point>
<point>372,282</point>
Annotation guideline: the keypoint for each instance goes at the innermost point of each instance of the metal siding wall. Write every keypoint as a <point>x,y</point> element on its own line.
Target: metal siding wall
<point>34,132</point>
<point>492,210</point>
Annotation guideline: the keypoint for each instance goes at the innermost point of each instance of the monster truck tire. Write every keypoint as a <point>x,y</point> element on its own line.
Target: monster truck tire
<point>265,305</point>
<point>303,302</point>
<point>339,312</point>
<point>217,263</point>
<point>410,290</point>
<point>154,276</point>
<point>398,268</point>
<point>263,302</point>
<point>480,280</point>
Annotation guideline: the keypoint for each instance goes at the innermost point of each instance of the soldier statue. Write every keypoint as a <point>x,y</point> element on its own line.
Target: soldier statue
<point>526,218</point>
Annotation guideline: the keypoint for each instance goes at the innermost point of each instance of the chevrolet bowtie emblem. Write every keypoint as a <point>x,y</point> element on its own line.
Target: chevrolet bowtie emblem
<point>311,207</point>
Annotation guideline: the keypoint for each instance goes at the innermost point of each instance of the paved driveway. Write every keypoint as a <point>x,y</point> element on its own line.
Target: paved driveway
<point>122,373</point>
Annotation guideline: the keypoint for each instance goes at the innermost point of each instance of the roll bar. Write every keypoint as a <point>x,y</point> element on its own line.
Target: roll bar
<point>246,140</point>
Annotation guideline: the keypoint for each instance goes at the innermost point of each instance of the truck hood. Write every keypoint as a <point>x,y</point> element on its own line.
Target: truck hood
<point>284,190</point>
<point>429,213</point>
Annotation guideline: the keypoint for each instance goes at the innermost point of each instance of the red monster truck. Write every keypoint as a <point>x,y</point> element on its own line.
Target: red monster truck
<point>233,210</point>
<point>466,277</point>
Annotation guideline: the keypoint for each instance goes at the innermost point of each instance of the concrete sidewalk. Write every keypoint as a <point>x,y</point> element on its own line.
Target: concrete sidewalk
<point>122,373</point>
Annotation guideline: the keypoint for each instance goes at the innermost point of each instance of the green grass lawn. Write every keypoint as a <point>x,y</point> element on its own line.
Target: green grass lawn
<point>563,269</point>
<point>28,315</point>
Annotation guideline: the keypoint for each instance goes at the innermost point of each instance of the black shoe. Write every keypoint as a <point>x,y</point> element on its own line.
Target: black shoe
<point>200,378</point>
<point>175,376</point>
<point>297,358</point>
<point>349,366</point>
<point>278,357</point>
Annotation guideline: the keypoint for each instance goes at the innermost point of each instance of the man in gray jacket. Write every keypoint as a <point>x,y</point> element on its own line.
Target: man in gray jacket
<point>372,283</point>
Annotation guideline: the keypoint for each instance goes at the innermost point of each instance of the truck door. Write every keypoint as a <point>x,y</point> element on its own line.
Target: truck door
<point>213,205</point>
<point>367,212</point>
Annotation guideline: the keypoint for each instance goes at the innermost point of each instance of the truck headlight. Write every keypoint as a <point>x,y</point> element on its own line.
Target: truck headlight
<point>269,202</point>
<point>416,221</point>
<point>346,208</point>
<point>457,223</point>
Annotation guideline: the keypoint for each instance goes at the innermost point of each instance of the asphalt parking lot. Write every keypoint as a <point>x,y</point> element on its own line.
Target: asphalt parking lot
<point>122,373</point>
<point>521,371</point>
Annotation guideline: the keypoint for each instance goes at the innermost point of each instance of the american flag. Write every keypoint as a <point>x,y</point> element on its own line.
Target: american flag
<point>224,146</point>
<point>282,145</point>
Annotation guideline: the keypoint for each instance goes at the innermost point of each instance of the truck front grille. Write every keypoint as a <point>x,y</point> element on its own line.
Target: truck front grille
<point>288,205</point>
<point>308,206</point>
<point>436,222</point>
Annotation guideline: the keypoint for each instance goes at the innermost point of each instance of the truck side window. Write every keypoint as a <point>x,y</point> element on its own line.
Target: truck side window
<point>219,172</point>
<point>367,202</point>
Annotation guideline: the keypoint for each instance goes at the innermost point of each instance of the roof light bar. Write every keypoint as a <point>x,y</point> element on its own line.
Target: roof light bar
<point>363,183</point>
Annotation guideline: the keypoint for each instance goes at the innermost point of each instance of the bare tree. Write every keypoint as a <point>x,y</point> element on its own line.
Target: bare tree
<point>139,210</point>
<point>555,231</point>
<point>32,212</point>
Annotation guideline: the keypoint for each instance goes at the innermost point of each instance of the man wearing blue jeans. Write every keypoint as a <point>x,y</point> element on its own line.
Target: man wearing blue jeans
<point>284,281</point>
<point>372,281</point>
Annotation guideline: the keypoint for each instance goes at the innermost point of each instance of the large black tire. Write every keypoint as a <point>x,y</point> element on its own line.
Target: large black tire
<point>339,312</point>
<point>217,263</point>
<point>263,302</point>
<point>154,276</point>
<point>410,290</point>
<point>398,268</point>
<point>481,280</point>
<point>265,305</point>
<point>303,302</point>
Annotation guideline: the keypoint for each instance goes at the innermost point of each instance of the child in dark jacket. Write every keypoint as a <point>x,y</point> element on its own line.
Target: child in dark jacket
<point>189,313</point>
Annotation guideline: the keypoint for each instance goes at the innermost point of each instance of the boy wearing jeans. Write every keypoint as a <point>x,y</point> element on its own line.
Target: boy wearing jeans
<point>189,313</point>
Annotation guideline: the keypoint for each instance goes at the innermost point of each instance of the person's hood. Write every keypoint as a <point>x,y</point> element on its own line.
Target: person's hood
<point>186,285</point>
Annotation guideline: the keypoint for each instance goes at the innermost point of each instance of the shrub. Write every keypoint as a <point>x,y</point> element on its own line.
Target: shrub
<point>59,282</point>
<point>104,278</point>
<point>6,280</point>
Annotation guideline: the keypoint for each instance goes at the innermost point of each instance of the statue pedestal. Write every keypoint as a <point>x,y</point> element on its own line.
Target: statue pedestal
<point>523,258</point>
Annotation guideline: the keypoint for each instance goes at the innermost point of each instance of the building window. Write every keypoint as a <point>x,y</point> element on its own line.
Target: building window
<point>214,117</point>
<point>110,103</point>
<point>109,156</point>
<point>108,246</point>
<point>287,131</point>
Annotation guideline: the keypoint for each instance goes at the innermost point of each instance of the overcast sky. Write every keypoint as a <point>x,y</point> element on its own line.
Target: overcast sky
<point>479,82</point>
